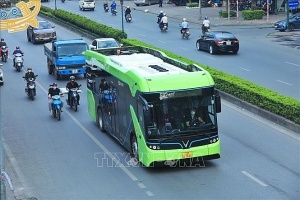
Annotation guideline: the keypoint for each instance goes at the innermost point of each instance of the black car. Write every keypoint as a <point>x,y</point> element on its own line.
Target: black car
<point>218,41</point>
<point>294,23</point>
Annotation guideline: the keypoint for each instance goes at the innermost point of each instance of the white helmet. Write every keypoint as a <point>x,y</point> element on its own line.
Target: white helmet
<point>161,11</point>
<point>184,19</point>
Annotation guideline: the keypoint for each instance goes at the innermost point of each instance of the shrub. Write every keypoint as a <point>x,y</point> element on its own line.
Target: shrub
<point>192,5</point>
<point>224,14</point>
<point>252,14</point>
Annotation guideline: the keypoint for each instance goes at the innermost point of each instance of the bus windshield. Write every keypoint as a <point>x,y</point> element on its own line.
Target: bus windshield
<point>180,112</point>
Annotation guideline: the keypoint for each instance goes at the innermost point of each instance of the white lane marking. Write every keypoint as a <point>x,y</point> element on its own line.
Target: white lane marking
<point>161,41</point>
<point>254,179</point>
<point>141,185</point>
<point>210,57</point>
<point>262,120</point>
<point>184,48</point>
<point>248,70</point>
<point>150,194</point>
<point>284,82</point>
<point>142,35</point>
<point>292,64</point>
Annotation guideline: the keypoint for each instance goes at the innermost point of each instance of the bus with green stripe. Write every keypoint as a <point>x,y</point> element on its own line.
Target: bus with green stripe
<point>144,99</point>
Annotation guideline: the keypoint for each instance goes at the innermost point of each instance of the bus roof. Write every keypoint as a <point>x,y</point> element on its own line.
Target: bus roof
<point>151,73</point>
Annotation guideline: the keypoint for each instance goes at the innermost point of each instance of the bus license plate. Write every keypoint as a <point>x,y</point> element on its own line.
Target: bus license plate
<point>74,71</point>
<point>187,154</point>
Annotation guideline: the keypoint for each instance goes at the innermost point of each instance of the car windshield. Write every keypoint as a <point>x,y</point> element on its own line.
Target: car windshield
<point>107,44</point>
<point>71,49</point>
<point>224,35</point>
<point>43,25</point>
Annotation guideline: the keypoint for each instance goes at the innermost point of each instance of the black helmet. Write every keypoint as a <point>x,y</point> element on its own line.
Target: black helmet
<point>72,78</point>
<point>2,39</point>
<point>29,68</point>
<point>54,84</point>
<point>17,47</point>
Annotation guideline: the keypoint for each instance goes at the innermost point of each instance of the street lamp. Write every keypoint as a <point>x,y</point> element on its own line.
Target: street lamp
<point>200,14</point>
<point>121,2</point>
<point>55,5</point>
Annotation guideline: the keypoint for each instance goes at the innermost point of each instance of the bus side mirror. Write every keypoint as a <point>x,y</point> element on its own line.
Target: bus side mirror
<point>218,103</point>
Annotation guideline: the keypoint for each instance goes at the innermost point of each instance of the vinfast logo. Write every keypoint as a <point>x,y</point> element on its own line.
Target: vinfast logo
<point>185,144</point>
<point>16,19</point>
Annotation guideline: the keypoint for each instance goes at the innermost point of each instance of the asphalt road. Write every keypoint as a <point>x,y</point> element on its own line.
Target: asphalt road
<point>72,159</point>
<point>260,60</point>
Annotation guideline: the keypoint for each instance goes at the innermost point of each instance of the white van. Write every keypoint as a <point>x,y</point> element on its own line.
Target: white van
<point>87,5</point>
<point>145,2</point>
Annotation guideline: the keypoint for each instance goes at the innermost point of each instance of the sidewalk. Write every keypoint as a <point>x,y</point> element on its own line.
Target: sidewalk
<point>193,15</point>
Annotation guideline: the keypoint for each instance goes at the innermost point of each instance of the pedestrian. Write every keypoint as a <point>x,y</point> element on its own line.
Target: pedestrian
<point>160,3</point>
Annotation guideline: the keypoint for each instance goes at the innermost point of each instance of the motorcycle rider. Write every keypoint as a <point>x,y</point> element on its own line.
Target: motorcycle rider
<point>105,6</point>
<point>163,21</point>
<point>29,74</point>
<point>2,43</point>
<point>161,14</point>
<point>205,25</point>
<point>127,11</point>
<point>184,25</point>
<point>16,51</point>
<point>113,6</point>
<point>72,84</point>
<point>54,90</point>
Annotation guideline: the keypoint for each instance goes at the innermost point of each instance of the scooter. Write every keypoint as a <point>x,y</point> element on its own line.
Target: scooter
<point>205,29</point>
<point>30,88</point>
<point>163,27</point>
<point>18,61</point>
<point>73,101</point>
<point>113,11</point>
<point>128,18</point>
<point>185,34</point>
<point>105,7</point>
<point>4,53</point>
<point>56,106</point>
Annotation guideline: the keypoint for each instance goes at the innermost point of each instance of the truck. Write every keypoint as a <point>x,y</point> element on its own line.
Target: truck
<point>65,58</point>
<point>144,99</point>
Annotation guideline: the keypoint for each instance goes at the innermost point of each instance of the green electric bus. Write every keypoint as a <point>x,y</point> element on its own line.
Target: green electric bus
<point>160,109</point>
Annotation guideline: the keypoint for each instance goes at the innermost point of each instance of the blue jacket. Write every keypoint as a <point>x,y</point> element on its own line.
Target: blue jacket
<point>113,5</point>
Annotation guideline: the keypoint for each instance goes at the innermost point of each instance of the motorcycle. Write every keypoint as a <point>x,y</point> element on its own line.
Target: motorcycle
<point>18,61</point>
<point>4,53</point>
<point>56,106</point>
<point>163,27</point>
<point>63,1</point>
<point>73,101</point>
<point>185,34</point>
<point>105,7</point>
<point>205,29</point>
<point>113,11</point>
<point>128,18</point>
<point>30,88</point>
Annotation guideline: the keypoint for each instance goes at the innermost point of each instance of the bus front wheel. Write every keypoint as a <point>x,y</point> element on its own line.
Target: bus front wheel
<point>100,121</point>
<point>134,148</point>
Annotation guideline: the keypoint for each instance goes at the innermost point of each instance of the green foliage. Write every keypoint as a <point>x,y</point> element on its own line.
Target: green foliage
<point>242,89</point>
<point>192,5</point>
<point>224,14</point>
<point>252,14</point>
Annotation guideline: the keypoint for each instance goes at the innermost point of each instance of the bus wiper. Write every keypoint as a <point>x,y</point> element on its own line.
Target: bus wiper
<point>169,137</point>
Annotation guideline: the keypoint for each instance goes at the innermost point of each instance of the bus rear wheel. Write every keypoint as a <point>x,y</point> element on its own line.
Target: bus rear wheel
<point>134,148</point>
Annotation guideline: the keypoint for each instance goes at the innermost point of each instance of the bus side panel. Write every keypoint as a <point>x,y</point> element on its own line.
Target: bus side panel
<point>91,104</point>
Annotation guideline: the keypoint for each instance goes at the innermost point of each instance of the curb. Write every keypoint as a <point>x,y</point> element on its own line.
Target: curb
<point>232,99</point>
